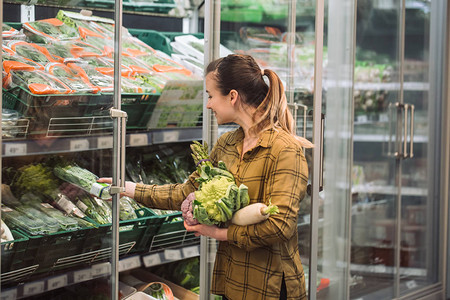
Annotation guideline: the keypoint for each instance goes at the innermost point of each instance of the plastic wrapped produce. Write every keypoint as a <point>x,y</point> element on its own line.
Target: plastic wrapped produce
<point>103,82</point>
<point>39,83</point>
<point>49,30</point>
<point>31,51</point>
<point>9,33</point>
<point>51,224</point>
<point>84,179</point>
<point>76,83</point>
<point>6,58</point>
<point>15,219</point>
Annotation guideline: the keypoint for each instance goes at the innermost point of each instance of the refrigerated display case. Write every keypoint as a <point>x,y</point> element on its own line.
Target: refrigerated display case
<point>362,88</point>
<point>63,127</point>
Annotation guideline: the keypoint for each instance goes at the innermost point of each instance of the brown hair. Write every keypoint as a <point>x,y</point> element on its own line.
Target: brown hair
<point>242,73</point>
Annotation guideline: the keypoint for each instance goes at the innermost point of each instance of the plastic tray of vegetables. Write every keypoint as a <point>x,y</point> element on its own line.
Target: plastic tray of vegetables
<point>49,30</point>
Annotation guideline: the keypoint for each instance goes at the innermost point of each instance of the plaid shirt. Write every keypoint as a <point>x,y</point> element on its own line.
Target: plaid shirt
<point>250,265</point>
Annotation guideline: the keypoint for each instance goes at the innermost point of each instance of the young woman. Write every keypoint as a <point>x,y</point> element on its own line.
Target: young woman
<point>259,261</point>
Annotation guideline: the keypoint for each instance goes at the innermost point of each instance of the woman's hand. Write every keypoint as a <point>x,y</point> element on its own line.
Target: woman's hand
<point>129,187</point>
<point>212,231</point>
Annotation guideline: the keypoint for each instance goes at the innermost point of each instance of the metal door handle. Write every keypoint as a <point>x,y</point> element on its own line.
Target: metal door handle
<point>405,131</point>
<point>322,130</point>
<point>411,138</point>
<point>121,136</point>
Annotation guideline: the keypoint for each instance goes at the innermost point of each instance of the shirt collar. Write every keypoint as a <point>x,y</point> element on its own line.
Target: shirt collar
<point>264,140</point>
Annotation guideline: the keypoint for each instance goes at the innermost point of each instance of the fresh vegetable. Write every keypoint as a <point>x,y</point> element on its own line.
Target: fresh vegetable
<point>187,210</point>
<point>84,179</point>
<point>218,196</point>
<point>35,178</point>
<point>253,214</point>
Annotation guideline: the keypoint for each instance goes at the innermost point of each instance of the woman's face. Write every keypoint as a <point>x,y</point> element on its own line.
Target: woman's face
<point>221,105</point>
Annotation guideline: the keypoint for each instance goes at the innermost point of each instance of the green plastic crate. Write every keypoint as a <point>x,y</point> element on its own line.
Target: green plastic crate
<point>13,253</point>
<point>139,109</point>
<point>64,249</point>
<point>138,231</point>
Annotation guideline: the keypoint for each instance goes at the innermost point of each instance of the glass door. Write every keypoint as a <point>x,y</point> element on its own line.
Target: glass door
<point>62,129</point>
<point>380,205</point>
<point>281,36</point>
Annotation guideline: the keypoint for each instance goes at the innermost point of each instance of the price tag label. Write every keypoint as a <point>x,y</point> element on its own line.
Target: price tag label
<point>411,284</point>
<point>152,260</point>
<point>56,282</point>
<point>191,251</point>
<point>383,117</point>
<point>105,142</point>
<point>9,294</point>
<point>172,254</point>
<point>101,269</point>
<point>171,136</point>
<point>82,275</point>
<point>380,269</point>
<point>79,145</point>
<point>15,149</point>
<point>138,140</point>
<point>33,288</point>
<point>362,118</point>
<point>129,263</point>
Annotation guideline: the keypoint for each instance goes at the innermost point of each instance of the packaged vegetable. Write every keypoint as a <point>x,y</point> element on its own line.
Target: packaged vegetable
<point>7,66</point>
<point>84,179</point>
<point>49,30</point>
<point>126,209</point>
<point>92,209</point>
<point>39,82</point>
<point>76,83</point>
<point>65,222</point>
<point>31,51</point>
<point>89,73</point>
<point>83,49</point>
<point>17,220</point>
<point>51,224</point>
<point>9,33</point>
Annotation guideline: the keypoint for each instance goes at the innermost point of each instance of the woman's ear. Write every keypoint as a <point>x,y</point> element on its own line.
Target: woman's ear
<point>234,95</point>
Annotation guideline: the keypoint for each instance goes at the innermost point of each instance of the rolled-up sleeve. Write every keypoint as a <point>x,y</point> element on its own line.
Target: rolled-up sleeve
<point>285,187</point>
<point>168,196</point>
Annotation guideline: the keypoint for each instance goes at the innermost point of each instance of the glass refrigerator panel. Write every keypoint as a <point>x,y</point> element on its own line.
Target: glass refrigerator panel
<point>333,261</point>
<point>280,36</point>
<point>419,242</point>
<point>376,142</point>
<point>57,140</point>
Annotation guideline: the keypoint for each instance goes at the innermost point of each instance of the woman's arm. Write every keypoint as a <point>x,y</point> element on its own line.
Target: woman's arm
<point>168,196</point>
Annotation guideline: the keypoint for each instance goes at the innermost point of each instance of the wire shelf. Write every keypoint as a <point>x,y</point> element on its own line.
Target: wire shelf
<point>79,126</point>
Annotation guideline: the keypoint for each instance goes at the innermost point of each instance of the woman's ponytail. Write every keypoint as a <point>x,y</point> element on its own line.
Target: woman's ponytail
<point>274,112</point>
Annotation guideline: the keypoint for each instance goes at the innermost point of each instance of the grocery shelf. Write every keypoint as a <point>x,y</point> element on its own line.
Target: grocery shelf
<point>389,190</point>
<point>97,271</point>
<point>21,147</point>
